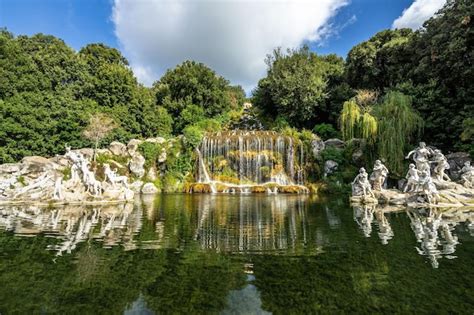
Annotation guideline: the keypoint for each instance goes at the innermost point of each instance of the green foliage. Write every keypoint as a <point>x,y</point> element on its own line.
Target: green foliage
<point>192,88</point>
<point>381,61</point>
<point>334,154</point>
<point>296,87</point>
<point>325,131</point>
<point>151,152</point>
<point>193,135</point>
<point>398,124</point>
<point>48,92</point>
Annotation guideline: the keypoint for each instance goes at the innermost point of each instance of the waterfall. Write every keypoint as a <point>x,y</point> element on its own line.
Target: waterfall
<point>242,158</point>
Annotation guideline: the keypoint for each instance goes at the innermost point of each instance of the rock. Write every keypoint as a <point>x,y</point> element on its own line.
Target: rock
<point>401,184</point>
<point>136,186</point>
<point>149,188</point>
<point>163,156</point>
<point>9,168</point>
<point>104,152</point>
<point>36,164</point>
<point>336,143</point>
<point>88,153</point>
<point>330,167</point>
<point>456,162</point>
<point>136,165</point>
<point>132,146</point>
<point>358,157</point>
<point>151,174</point>
<point>317,145</point>
<point>118,148</point>
<point>159,140</point>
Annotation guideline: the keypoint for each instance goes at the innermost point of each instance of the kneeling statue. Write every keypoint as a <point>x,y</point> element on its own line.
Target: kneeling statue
<point>361,185</point>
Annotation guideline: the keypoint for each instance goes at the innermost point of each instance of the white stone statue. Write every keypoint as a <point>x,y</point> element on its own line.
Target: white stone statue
<point>76,163</point>
<point>113,178</point>
<point>379,175</point>
<point>441,165</point>
<point>361,185</point>
<point>412,179</point>
<point>421,157</point>
<point>467,175</point>
<point>428,189</point>
<point>58,188</point>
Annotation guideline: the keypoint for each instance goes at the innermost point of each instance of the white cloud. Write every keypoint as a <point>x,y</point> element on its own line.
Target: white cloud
<point>417,13</point>
<point>232,37</point>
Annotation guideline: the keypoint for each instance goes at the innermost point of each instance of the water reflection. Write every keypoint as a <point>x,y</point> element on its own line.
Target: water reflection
<point>434,229</point>
<point>232,224</point>
<point>240,224</point>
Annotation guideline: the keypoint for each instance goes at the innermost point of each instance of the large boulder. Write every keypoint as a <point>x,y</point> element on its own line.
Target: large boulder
<point>149,188</point>
<point>118,148</point>
<point>330,167</point>
<point>136,165</point>
<point>317,145</point>
<point>36,164</point>
<point>132,146</point>
<point>336,143</point>
<point>136,186</point>
<point>9,168</point>
<point>151,175</point>
<point>456,162</point>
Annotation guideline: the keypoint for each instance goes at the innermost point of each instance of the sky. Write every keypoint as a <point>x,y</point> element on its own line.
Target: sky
<point>231,36</point>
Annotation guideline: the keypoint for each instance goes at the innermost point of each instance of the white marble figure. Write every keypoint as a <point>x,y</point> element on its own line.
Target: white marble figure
<point>412,179</point>
<point>76,163</point>
<point>113,178</point>
<point>379,175</point>
<point>428,189</point>
<point>58,188</point>
<point>441,165</point>
<point>361,185</point>
<point>421,157</point>
<point>467,175</point>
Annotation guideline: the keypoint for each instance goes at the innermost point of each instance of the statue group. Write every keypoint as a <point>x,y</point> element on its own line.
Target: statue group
<point>81,174</point>
<point>423,176</point>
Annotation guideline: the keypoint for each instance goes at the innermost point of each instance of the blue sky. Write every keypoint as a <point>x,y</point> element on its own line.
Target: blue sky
<point>233,39</point>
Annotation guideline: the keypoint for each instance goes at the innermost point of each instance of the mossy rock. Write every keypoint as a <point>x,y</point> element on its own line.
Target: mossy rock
<point>259,189</point>
<point>200,188</point>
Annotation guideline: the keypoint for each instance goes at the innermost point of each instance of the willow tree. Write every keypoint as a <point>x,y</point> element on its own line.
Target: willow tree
<point>398,123</point>
<point>356,117</point>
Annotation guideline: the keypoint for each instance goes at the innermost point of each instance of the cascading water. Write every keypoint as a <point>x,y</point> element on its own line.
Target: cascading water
<point>243,160</point>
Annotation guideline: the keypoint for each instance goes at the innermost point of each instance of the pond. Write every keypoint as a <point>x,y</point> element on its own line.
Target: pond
<point>225,254</point>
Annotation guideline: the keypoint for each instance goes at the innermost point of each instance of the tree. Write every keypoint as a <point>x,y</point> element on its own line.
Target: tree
<point>381,61</point>
<point>100,125</point>
<point>296,85</point>
<point>192,83</point>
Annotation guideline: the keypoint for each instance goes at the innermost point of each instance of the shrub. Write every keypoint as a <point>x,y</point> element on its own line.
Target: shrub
<point>325,131</point>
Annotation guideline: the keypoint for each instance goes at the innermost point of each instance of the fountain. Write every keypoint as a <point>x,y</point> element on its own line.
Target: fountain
<point>250,161</point>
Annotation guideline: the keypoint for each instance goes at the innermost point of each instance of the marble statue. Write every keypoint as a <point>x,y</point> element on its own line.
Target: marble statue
<point>421,157</point>
<point>441,164</point>
<point>379,175</point>
<point>58,188</point>
<point>113,178</point>
<point>76,163</point>
<point>412,179</point>
<point>361,185</point>
<point>467,175</point>
<point>427,187</point>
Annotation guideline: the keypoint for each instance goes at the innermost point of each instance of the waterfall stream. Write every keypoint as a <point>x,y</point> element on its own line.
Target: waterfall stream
<point>244,159</point>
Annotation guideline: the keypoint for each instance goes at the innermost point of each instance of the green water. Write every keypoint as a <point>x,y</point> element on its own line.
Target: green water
<point>192,254</point>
